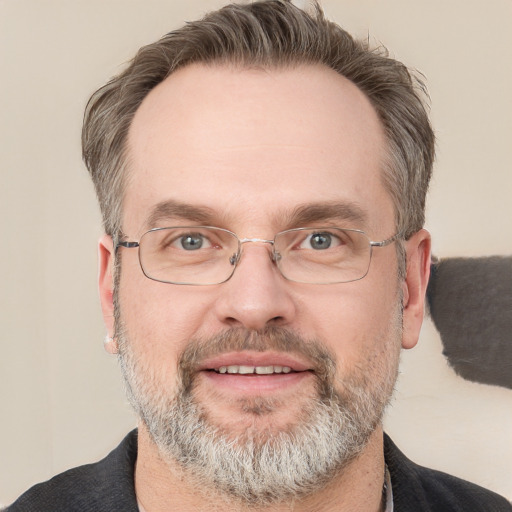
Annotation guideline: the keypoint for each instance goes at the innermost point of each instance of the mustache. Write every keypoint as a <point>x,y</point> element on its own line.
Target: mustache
<point>271,338</point>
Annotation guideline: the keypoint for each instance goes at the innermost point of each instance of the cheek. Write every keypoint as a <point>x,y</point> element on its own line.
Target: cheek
<point>357,321</point>
<point>158,318</point>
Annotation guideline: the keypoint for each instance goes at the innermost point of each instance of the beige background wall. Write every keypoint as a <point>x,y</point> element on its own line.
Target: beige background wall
<point>61,397</point>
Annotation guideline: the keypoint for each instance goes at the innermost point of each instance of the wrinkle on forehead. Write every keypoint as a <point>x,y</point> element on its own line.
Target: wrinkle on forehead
<point>191,101</point>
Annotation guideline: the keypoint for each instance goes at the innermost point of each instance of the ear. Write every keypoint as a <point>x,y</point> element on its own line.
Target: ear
<point>414,286</point>
<point>106,288</point>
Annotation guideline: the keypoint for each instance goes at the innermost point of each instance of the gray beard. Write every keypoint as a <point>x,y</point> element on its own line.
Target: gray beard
<point>261,467</point>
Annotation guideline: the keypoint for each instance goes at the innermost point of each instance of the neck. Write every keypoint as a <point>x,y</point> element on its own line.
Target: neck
<point>162,486</point>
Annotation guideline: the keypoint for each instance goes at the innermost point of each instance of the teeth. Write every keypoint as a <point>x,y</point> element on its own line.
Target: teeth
<point>264,370</point>
<point>259,370</point>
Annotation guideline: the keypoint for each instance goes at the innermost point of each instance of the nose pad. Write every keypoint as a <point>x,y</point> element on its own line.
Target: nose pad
<point>237,256</point>
<point>276,256</point>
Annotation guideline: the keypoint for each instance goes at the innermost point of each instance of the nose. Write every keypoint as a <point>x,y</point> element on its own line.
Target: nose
<point>256,295</point>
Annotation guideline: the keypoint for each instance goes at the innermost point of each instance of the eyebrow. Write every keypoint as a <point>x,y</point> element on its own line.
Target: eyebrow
<point>172,209</point>
<point>345,211</point>
<point>301,216</point>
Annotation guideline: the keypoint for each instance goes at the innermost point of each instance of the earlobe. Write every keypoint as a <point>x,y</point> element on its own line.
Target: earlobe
<point>415,286</point>
<point>106,286</point>
<point>110,345</point>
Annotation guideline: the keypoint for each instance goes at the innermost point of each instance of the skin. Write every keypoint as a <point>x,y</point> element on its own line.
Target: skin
<point>251,145</point>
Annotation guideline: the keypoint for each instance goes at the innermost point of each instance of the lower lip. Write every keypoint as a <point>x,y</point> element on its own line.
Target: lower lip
<point>256,384</point>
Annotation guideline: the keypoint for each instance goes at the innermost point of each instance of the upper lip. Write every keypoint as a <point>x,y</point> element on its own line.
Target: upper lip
<point>251,358</point>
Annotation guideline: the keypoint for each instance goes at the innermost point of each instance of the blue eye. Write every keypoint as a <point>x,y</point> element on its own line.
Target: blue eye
<point>320,241</point>
<point>184,240</point>
<point>191,242</point>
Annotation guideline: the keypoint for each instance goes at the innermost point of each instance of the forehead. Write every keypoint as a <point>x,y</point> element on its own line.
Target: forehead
<point>249,144</point>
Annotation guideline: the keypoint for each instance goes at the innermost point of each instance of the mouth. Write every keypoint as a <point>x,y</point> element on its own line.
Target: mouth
<point>256,363</point>
<point>253,373</point>
<point>253,370</point>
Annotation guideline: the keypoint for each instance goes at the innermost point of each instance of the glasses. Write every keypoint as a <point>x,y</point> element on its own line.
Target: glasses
<point>205,255</point>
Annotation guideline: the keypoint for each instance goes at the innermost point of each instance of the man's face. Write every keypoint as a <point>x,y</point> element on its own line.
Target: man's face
<point>258,152</point>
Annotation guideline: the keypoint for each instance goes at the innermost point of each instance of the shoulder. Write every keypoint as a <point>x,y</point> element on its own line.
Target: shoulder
<point>417,488</point>
<point>107,485</point>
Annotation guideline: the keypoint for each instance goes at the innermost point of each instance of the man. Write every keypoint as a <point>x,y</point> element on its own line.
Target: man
<point>262,179</point>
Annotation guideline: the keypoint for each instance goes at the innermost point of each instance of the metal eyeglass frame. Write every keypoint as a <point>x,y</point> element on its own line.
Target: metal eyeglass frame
<point>234,260</point>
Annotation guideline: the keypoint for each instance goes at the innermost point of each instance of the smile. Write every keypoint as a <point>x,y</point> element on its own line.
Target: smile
<point>251,370</point>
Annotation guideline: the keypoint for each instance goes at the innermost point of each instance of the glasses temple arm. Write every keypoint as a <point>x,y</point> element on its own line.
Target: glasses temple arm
<point>388,241</point>
<point>127,245</point>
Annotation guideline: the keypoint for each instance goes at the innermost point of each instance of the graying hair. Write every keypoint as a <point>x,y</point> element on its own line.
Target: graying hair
<point>267,34</point>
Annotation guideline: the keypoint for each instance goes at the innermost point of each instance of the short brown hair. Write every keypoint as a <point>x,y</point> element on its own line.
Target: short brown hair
<point>270,34</point>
